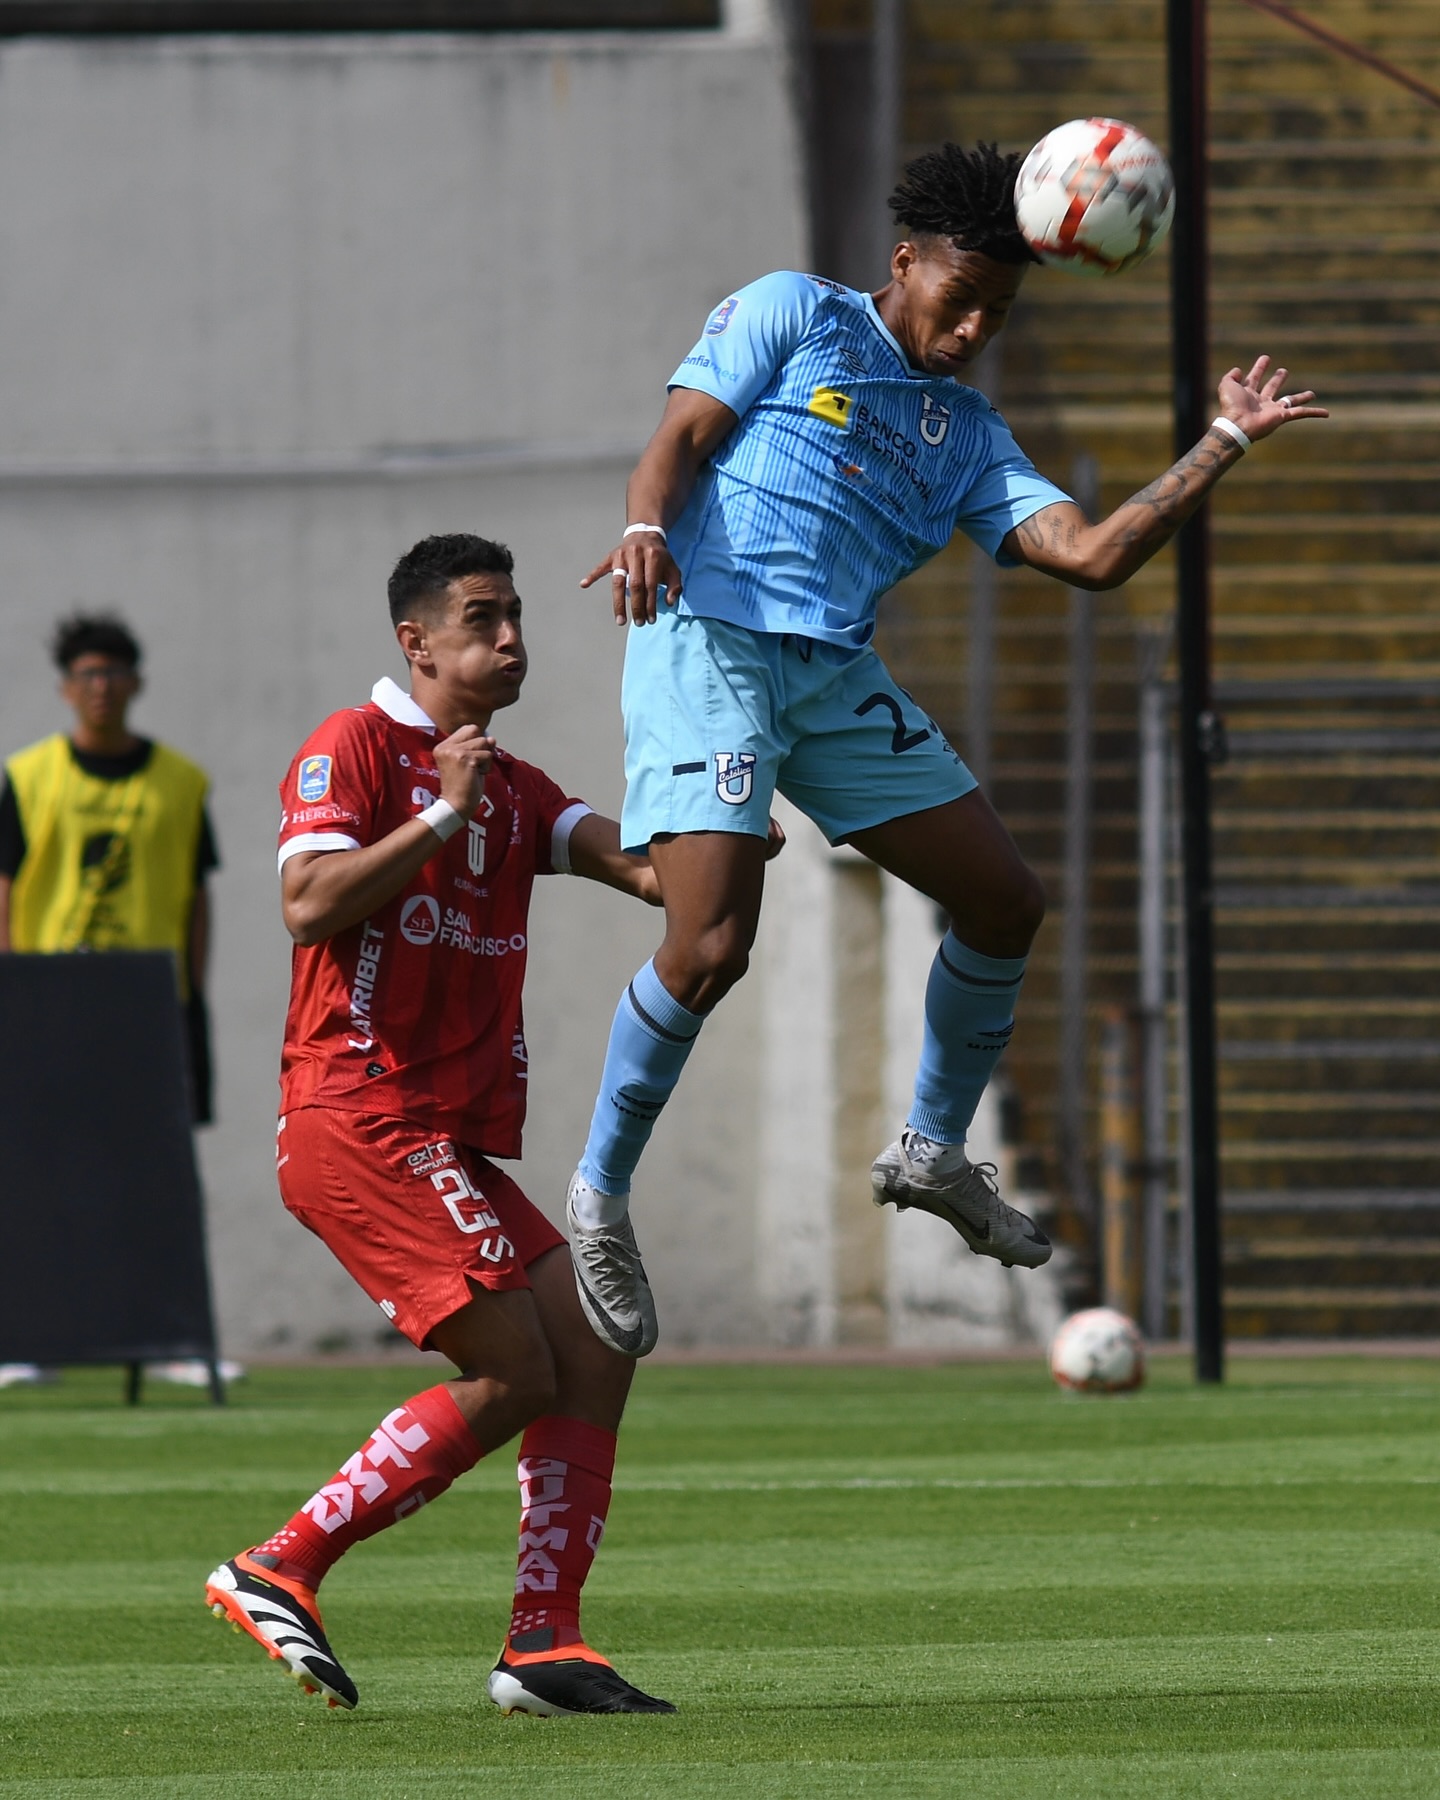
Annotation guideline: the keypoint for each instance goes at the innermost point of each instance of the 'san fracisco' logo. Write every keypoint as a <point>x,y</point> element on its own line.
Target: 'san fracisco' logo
<point>734,776</point>
<point>420,920</point>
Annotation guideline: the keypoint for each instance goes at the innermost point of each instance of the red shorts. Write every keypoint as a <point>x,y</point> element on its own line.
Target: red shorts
<point>417,1220</point>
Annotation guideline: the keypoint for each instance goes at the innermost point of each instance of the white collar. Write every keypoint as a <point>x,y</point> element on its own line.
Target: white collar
<point>393,699</point>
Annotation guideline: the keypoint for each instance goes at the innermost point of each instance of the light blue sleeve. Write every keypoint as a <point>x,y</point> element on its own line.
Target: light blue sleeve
<point>747,338</point>
<point>1009,490</point>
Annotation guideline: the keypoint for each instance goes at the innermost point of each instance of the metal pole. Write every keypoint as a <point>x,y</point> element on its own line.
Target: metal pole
<point>887,123</point>
<point>1179,1048</point>
<point>1073,1083</point>
<point>1199,730</point>
<point>1154,1109</point>
<point>1119,1159</point>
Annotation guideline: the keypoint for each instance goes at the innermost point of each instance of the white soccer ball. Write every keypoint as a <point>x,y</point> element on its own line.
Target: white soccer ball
<point>1098,1351</point>
<point>1095,196</point>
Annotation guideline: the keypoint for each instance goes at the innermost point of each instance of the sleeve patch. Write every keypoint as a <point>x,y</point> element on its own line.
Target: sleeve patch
<point>722,316</point>
<point>313,781</point>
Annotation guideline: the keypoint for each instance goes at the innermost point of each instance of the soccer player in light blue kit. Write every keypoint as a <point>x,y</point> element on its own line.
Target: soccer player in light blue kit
<point>817,447</point>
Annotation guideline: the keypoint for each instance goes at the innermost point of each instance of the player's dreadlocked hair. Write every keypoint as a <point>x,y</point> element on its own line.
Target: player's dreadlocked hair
<point>967,196</point>
<point>422,574</point>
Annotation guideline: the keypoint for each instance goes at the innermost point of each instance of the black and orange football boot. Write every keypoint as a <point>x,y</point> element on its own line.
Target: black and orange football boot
<point>282,1616</point>
<point>531,1677</point>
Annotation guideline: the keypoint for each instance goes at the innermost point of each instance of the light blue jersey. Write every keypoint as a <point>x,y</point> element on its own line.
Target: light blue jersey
<point>847,471</point>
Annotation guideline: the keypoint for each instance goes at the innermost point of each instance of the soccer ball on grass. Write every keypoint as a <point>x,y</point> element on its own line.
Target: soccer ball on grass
<point>1095,196</point>
<point>1098,1351</point>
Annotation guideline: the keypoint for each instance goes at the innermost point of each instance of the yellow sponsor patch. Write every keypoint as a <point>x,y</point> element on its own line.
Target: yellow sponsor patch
<point>831,405</point>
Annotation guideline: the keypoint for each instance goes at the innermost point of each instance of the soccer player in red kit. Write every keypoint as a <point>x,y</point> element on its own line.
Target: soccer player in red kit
<point>408,845</point>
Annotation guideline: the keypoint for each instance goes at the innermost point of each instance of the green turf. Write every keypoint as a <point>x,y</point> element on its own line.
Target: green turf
<point>917,1582</point>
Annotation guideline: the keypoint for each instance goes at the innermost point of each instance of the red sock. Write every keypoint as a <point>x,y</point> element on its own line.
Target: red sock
<point>565,1468</point>
<point>414,1455</point>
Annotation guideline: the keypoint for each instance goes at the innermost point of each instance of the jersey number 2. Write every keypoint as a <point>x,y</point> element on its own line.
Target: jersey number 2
<point>902,740</point>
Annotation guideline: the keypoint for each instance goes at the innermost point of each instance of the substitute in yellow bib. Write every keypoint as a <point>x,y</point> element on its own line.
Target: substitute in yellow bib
<point>105,841</point>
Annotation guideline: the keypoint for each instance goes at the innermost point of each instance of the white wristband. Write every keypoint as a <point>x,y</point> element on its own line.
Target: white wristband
<point>442,819</point>
<point>659,531</point>
<point>1231,430</point>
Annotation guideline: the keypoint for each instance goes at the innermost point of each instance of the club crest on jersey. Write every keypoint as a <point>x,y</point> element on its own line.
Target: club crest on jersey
<point>734,776</point>
<point>420,920</point>
<point>314,782</point>
<point>934,421</point>
<point>721,316</point>
<point>475,843</point>
<point>832,406</point>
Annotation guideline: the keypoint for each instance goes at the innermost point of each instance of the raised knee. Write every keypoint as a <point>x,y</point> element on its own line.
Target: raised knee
<point>1030,903</point>
<point>724,956</point>
<point>1003,919</point>
<point>710,966</point>
<point>1018,909</point>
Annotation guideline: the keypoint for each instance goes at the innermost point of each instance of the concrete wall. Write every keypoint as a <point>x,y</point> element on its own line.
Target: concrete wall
<point>271,309</point>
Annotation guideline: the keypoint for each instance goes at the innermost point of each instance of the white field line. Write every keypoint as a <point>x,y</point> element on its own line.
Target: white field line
<point>967,1483</point>
<point>121,1485</point>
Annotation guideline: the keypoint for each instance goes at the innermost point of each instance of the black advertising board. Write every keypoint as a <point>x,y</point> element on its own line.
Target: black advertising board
<point>102,1240</point>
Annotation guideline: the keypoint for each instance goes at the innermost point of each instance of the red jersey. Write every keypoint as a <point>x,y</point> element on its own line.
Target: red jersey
<point>415,1012</point>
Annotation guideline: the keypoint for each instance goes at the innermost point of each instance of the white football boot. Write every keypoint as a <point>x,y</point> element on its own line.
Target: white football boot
<point>610,1280</point>
<point>965,1197</point>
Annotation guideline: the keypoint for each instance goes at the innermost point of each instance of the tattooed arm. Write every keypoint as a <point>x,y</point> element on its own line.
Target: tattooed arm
<point>1061,541</point>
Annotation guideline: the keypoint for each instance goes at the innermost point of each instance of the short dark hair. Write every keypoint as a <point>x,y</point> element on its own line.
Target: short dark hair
<point>967,196</point>
<point>420,578</point>
<point>93,634</point>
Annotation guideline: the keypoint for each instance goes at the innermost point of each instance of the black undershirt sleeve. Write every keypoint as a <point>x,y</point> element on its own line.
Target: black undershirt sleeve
<point>12,833</point>
<point>207,855</point>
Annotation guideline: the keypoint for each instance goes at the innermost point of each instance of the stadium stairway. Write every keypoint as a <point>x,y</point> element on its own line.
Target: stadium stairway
<point>1326,247</point>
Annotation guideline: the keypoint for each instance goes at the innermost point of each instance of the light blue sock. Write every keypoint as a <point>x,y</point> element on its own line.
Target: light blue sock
<point>649,1042</point>
<point>969,1016</point>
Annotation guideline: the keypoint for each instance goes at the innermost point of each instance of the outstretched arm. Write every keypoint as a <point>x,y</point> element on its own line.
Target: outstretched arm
<point>692,425</point>
<point>1061,541</point>
<point>596,854</point>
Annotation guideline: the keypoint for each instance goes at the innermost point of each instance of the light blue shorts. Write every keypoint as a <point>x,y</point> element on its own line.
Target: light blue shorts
<point>717,717</point>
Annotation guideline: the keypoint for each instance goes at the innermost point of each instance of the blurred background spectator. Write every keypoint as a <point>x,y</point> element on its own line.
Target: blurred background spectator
<point>106,844</point>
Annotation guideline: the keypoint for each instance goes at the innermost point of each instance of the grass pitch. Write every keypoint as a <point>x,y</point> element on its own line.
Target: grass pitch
<point>853,1581</point>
